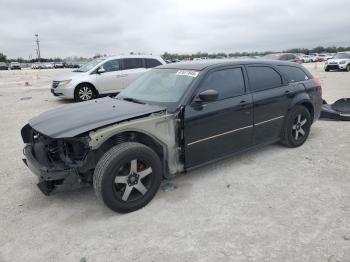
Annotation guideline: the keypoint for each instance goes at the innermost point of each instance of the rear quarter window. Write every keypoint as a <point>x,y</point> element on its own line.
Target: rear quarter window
<point>151,62</point>
<point>293,74</point>
<point>263,77</point>
<point>132,63</point>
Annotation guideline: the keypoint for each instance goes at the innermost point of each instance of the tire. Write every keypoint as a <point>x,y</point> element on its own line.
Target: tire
<point>326,69</point>
<point>118,181</point>
<point>348,68</point>
<point>294,124</point>
<point>84,92</point>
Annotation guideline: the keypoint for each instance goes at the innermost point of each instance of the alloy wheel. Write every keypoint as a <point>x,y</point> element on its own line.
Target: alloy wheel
<point>85,93</point>
<point>297,129</point>
<point>132,180</point>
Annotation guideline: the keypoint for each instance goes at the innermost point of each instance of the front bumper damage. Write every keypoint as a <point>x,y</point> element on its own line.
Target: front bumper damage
<point>340,110</point>
<point>58,164</point>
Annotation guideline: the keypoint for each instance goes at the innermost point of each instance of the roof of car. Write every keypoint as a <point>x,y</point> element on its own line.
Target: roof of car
<point>201,65</point>
<point>129,56</point>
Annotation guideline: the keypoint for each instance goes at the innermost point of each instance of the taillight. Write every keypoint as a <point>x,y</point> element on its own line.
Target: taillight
<point>318,82</point>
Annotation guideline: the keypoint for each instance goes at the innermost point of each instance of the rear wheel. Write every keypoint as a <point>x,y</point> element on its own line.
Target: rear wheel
<point>84,92</point>
<point>127,177</point>
<point>326,69</point>
<point>296,127</point>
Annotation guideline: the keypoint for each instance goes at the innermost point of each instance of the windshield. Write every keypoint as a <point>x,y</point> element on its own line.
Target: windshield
<point>89,65</point>
<point>160,86</point>
<point>341,55</point>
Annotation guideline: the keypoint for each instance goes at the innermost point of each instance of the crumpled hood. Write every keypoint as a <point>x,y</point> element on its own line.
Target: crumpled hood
<point>72,120</point>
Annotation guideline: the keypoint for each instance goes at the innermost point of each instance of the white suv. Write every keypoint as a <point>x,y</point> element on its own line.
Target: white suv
<point>341,61</point>
<point>103,76</point>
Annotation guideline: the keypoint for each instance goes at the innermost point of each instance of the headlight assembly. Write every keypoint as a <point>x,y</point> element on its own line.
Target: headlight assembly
<point>64,82</point>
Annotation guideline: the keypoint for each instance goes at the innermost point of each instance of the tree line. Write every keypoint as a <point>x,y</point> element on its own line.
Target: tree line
<point>172,56</point>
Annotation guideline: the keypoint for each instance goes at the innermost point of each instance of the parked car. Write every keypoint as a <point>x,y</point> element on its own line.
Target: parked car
<point>340,61</point>
<point>306,59</point>
<point>48,66</point>
<point>323,57</point>
<point>283,57</point>
<point>3,66</point>
<point>15,65</point>
<point>58,65</point>
<point>37,65</point>
<point>172,119</point>
<point>103,76</point>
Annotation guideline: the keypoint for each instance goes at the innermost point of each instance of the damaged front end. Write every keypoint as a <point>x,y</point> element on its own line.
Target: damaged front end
<point>59,163</point>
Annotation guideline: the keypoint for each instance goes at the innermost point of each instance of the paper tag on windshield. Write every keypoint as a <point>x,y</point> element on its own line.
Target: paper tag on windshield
<point>190,73</point>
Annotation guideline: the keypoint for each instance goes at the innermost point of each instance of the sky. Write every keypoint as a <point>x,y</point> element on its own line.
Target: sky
<point>112,27</point>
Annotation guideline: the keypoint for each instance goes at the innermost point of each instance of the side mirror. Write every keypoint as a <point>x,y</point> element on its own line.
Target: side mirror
<point>208,95</point>
<point>100,70</point>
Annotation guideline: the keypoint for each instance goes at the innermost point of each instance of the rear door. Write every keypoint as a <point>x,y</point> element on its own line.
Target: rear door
<point>132,69</point>
<point>271,97</point>
<point>215,129</point>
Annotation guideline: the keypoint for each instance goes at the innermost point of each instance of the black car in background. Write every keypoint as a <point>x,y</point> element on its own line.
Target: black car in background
<point>172,119</point>
<point>3,66</point>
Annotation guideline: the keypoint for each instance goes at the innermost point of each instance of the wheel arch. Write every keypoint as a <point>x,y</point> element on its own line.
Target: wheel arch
<point>140,137</point>
<point>304,100</point>
<point>86,83</point>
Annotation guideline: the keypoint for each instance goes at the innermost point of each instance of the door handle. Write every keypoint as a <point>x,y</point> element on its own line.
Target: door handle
<point>243,103</point>
<point>122,75</point>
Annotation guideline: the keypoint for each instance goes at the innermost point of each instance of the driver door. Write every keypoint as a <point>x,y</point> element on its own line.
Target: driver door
<point>216,129</point>
<point>112,79</point>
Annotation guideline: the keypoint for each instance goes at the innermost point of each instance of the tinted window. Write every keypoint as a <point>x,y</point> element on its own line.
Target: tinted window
<point>131,63</point>
<point>263,77</point>
<point>152,63</point>
<point>284,57</point>
<point>112,65</point>
<point>228,82</point>
<point>291,57</point>
<point>293,74</point>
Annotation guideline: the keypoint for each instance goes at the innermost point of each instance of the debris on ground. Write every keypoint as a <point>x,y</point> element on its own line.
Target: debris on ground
<point>83,259</point>
<point>168,187</point>
<point>26,98</point>
<point>347,236</point>
<point>339,110</point>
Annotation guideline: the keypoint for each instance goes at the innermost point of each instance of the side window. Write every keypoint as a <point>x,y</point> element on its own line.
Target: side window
<point>151,62</point>
<point>263,77</point>
<point>228,82</point>
<point>132,63</point>
<point>112,65</point>
<point>293,74</point>
<point>284,57</point>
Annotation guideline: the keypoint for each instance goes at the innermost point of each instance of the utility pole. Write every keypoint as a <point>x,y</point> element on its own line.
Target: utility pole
<point>38,46</point>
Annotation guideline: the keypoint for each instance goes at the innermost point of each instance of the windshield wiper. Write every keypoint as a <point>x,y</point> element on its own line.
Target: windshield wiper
<point>130,99</point>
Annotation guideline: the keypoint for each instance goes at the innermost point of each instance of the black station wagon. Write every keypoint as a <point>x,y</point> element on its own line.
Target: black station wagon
<point>172,119</point>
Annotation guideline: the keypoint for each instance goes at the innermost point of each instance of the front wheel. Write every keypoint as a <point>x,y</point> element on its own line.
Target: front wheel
<point>84,92</point>
<point>348,68</point>
<point>127,177</point>
<point>296,127</point>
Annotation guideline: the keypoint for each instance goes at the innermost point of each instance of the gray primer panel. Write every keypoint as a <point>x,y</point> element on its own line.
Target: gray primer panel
<point>161,127</point>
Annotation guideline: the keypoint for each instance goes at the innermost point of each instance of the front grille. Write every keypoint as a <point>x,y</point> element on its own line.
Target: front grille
<point>55,84</point>
<point>333,67</point>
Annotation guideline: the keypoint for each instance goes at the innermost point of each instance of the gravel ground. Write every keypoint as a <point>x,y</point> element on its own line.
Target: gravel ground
<point>273,204</point>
